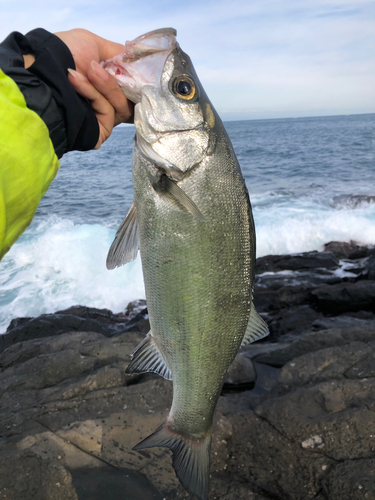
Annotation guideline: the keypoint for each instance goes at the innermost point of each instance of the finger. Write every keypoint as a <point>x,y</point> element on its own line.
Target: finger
<point>108,49</point>
<point>108,86</point>
<point>103,110</point>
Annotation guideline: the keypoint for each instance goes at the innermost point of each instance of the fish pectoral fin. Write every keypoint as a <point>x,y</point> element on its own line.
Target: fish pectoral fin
<point>256,328</point>
<point>167,185</point>
<point>125,246</point>
<point>191,457</point>
<point>146,357</point>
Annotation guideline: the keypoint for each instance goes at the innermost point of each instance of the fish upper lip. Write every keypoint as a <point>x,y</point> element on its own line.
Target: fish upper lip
<point>139,48</point>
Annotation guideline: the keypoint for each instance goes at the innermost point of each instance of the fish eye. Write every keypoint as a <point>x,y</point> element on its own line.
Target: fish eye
<point>184,87</point>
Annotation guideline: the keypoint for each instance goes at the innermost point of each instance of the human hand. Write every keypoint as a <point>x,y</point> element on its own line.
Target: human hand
<point>94,83</point>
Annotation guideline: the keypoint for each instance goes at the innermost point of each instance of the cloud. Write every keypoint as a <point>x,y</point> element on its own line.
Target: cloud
<point>306,55</point>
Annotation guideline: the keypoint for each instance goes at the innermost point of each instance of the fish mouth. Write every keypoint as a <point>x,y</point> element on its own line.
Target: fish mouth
<point>149,44</point>
<point>142,61</point>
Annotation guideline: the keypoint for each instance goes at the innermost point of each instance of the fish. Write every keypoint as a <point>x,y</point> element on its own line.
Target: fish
<point>192,221</point>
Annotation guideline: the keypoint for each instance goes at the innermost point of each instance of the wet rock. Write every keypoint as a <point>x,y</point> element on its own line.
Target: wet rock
<point>291,320</point>
<point>305,431</point>
<point>344,297</point>
<point>25,475</point>
<point>294,262</point>
<point>370,266</point>
<point>354,360</point>
<point>76,318</point>
<point>135,307</point>
<point>98,484</point>
<point>241,372</point>
<point>343,250</point>
<point>351,481</point>
<point>283,352</point>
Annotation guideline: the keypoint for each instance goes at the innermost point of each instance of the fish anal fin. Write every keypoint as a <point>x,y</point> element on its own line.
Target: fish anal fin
<point>191,457</point>
<point>125,246</point>
<point>146,357</point>
<point>256,328</point>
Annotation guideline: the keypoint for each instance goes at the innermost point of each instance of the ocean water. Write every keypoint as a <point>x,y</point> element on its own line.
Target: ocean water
<point>311,180</point>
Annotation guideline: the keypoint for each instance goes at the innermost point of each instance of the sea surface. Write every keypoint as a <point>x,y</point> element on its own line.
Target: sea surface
<point>311,181</point>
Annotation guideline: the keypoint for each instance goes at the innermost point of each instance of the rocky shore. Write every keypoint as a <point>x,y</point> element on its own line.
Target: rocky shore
<point>296,420</point>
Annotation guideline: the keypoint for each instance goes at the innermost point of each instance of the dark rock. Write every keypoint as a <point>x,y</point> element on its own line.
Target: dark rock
<point>343,250</point>
<point>266,378</point>
<point>354,360</point>
<point>266,300</point>
<point>293,320</point>
<point>108,484</point>
<point>290,443</point>
<point>344,297</point>
<point>345,321</point>
<point>241,372</point>
<point>25,475</point>
<point>139,322</point>
<point>351,481</point>
<point>135,307</point>
<point>283,352</point>
<point>305,431</point>
<point>370,266</point>
<point>294,262</point>
<point>76,318</point>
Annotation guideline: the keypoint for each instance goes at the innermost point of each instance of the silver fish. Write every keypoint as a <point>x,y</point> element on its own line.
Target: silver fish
<point>193,223</point>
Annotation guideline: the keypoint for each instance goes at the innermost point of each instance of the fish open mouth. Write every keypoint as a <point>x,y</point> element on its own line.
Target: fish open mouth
<point>150,43</point>
<point>142,61</point>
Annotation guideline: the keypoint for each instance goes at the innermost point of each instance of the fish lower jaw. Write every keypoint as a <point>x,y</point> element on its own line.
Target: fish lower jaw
<point>122,76</point>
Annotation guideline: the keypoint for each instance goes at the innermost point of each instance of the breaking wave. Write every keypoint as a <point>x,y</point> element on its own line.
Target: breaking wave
<point>57,264</point>
<point>352,201</point>
<point>298,173</point>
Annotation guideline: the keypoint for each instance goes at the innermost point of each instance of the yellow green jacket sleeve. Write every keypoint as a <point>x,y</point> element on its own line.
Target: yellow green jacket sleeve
<point>28,162</point>
<point>41,118</point>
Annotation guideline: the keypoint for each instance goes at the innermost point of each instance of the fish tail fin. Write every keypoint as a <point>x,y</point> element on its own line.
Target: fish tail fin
<point>191,457</point>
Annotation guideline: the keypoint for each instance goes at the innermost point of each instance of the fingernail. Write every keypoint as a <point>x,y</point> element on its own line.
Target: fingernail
<point>94,66</point>
<point>74,73</point>
<point>98,70</point>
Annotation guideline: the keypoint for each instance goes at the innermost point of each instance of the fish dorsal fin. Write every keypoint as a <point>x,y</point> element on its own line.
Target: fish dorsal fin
<point>146,357</point>
<point>256,328</point>
<point>167,185</point>
<point>125,246</point>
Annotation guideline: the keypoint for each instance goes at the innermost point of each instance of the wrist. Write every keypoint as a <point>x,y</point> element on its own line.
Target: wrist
<point>29,60</point>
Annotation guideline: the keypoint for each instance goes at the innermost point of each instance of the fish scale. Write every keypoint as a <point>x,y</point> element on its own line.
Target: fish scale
<point>193,223</point>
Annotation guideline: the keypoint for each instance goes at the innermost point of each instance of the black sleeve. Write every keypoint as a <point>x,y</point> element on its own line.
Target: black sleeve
<point>45,85</point>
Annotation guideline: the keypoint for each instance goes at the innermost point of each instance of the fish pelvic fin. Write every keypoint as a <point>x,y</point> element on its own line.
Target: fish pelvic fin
<point>146,357</point>
<point>125,246</point>
<point>191,457</point>
<point>256,328</point>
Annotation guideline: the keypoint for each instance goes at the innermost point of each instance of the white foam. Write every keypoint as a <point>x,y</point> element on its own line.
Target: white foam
<point>301,228</point>
<point>57,264</point>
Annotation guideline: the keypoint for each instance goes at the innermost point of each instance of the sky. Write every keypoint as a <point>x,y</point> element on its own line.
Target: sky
<point>255,58</point>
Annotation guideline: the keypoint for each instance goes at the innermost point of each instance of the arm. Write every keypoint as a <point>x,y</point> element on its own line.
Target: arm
<point>42,116</point>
